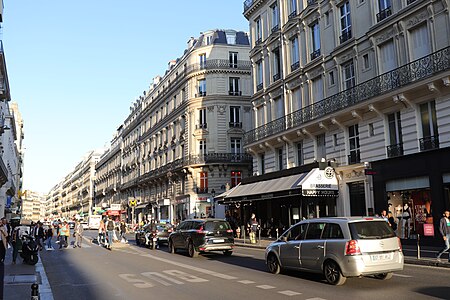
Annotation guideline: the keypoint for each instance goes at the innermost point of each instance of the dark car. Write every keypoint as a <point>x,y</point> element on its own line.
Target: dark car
<point>147,236</point>
<point>163,230</point>
<point>202,235</point>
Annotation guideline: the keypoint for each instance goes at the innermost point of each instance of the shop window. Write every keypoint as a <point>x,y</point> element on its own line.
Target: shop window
<point>236,177</point>
<point>357,198</point>
<point>203,183</point>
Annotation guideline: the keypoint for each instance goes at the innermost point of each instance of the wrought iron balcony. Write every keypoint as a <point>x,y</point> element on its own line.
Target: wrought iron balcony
<point>315,54</point>
<point>235,93</point>
<point>384,14</point>
<point>311,2</point>
<point>259,86</point>
<point>429,143</point>
<point>248,4</point>
<point>295,66</point>
<point>258,41</point>
<point>412,72</point>
<point>202,190</point>
<point>235,124</point>
<point>276,77</point>
<point>395,150</point>
<point>200,94</point>
<point>292,15</point>
<point>275,28</point>
<point>346,35</point>
<point>354,157</point>
<point>201,126</point>
<point>408,2</point>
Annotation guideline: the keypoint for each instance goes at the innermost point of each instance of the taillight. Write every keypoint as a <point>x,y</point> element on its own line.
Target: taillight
<point>200,230</point>
<point>229,230</point>
<point>352,248</point>
<point>170,230</point>
<point>400,247</point>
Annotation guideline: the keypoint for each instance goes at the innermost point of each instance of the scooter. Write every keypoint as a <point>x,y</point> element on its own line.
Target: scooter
<point>151,240</point>
<point>30,249</point>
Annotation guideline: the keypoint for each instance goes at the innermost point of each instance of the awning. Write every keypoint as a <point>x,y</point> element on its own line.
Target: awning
<point>314,183</point>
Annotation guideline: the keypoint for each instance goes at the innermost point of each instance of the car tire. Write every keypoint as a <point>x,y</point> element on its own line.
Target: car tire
<point>191,250</point>
<point>333,273</point>
<point>273,264</point>
<point>227,252</point>
<point>171,248</point>
<point>138,243</point>
<point>384,276</point>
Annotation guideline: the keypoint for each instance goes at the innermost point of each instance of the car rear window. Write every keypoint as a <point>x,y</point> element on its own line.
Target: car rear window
<point>371,230</point>
<point>217,225</point>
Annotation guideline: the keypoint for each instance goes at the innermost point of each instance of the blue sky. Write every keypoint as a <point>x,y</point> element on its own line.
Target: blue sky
<point>75,67</point>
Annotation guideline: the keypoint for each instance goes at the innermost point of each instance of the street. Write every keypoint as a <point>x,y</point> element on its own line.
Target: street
<point>131,272</point>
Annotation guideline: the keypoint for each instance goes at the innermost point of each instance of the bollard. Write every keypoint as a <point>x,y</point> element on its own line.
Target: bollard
<point>34,291</point>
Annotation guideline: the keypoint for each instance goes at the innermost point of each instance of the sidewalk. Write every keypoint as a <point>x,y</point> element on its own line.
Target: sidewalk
<point>407,251</point>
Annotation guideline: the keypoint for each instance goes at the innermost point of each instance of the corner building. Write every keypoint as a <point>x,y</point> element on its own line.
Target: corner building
<point>361,87</point>
<point>182,143</point>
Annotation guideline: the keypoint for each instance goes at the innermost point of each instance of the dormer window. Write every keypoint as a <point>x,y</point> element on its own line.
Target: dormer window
<point>231,38</point>
<point>209,40</point>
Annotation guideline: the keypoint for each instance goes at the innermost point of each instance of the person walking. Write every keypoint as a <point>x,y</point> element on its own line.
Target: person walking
<point>78,233</point>
<point>101,233</point>
<point>253,228</point>
<point>444,229</point>
<point>64,232</point>
<point>49,235</point>
<point>123,231</point>
<point>39,235</point>
<point>4,240</point>
<point>16,243</point>
<point>110,231</point>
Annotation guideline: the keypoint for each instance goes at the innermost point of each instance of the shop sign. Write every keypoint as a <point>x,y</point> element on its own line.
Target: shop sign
<point>202,199</point>
<point>116,207</point>
<point>370,172</point>
<point>317,193</point>
<point>428,229</point>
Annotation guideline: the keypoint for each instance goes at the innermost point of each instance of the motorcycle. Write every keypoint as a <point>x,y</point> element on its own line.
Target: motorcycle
<point>30,249</point>
<point>151,240</point>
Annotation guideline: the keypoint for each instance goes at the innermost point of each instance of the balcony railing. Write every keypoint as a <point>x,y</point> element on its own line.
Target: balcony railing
<point>354,157</point>
<point>429,143</point>
<point>258,41</point>
<point>217,64</point>
<point>395,150</point>
<point>414,71</point>
<point>292,15</point>
<point>248,4</point>
<point>275,28</point>
<point>311,2</point>
<point>235,93</point>
<point>315,54</point>
<point>408,2</point>
<point>295,66</point>
<point>202,190</point>
<point>200,94</point>
<point>259,86</point>
<point>346,35</point>
<point>384,14</point>
<point>235,124</point>
<point>201,126</point>
<point>276,77</point>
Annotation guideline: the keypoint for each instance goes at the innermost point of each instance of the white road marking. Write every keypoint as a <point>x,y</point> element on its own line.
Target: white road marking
<point>246,281</point>
<point>315,299</point>
<point>155,276</point>
<point>45,290</point>
<point>139,283</point>
<point>184,276</point>
<point>401,275</point>
<point>289,293</point>
<point>265,287</point>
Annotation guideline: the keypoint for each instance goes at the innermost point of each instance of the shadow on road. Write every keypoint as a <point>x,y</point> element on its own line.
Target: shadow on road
<point>435,291</point>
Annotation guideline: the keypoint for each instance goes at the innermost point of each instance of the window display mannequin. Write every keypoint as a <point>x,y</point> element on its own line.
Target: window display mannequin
<point>406,221</point>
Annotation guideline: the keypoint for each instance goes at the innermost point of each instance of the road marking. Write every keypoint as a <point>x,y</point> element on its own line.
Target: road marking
<point>139,283</point>
<point>265,287</point>
<point>45,290</point>
<point>154,276</point>
<point>289,293</point>
<point>181,265</point>
<point>401,275</point>
<point>246,281</point>
<point>315,299</point>
<point>184,276</point>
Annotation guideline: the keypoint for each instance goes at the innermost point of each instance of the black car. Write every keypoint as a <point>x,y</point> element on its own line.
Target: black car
<point>202,235</point>
<point>147,236</point>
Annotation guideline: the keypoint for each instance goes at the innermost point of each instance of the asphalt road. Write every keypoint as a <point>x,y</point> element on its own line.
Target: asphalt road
<point>131,272</point>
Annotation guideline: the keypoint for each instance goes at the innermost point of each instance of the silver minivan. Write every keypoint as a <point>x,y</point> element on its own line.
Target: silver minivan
<point>339,248</point>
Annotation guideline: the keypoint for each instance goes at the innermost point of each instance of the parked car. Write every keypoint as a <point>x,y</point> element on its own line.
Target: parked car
<point>71,224</point>
<point>338,248</point>
<point>147,236</point>
<point>202,235</point>
<point>85,225</point>
<point>163,230</point>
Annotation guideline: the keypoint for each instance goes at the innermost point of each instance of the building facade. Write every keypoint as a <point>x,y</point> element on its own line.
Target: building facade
<point>361,87</point>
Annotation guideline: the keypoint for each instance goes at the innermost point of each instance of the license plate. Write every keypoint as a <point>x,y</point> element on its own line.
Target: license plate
<point>154,239</point>
<point>218,241</point>
<point>381,257</point>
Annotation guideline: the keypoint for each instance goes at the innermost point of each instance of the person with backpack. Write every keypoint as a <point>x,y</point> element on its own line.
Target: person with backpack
<point>110,231</point>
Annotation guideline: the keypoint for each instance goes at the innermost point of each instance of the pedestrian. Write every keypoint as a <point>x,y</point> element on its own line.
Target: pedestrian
<point>49,235</point>
<point>383,215</point>
<point>110,231</point>
<point>39,235</point>
<point>16,242</point>
<point>253,228</point>
<point>101,233</point>
<point>392,221</point>
<point>4,240</point>
<point>123,231</point>
<point>64,232</point>
<point>78,233</point>
<point>444,229</point>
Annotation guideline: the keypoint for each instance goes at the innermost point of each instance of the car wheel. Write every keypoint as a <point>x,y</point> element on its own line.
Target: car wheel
<point>191,250</point>
<point>384,276</point>
<point>273,264</point>
<point>170,247</point>
<point>333,273</point>
<point>227,252</point>
<point>138,243</point>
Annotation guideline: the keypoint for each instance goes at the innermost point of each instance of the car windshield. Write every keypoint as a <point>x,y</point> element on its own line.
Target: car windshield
<point>371,230</point>
<point>216,225</point>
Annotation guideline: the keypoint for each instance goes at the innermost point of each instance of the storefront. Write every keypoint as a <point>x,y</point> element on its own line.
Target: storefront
<point>181,208</point>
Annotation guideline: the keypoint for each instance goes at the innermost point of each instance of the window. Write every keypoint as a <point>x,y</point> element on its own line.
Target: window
<point>209,40</point>
<point>384,7</point>
<point>314,231</point>
<point>366,61</point>
<point>174,154</point>
<point>202,60</point>
<point>234,117</point>
<point>299,147</point>
<point>335,140</point>
<point>371,130</point>
<point>236,146</point>
<point>231,38</point>
<point>295,64</point>
<point>275,17</point>
<point>292,8</point>
<point>419,42</point>
<point>201,88</point>
<point>280,158</point>
<point>296,99</point>
<point>236,177</point>
<point>202,118</point>
<point>346,22</point>
<point>276,64</point>
<point>233,56</point>
<point>203,183</point>
<point>349,75</point>
<point>332,231</point>
<point>279,107</point>
<point>260,116</point>
<point>331,77</point>
<point>258,31</point>
<point>315,40</point>
<point>395,147</point>
<point>327,18</point>
<point>262,163</point>
<point>321,147</point>
<point>317,89</point>
<point>202,147</point>
<point>387,59</point>
<point>297,232</point>
<point>259,76</point>
<point>234,87</point>
<point>430,135</point>
<point>353,139</point>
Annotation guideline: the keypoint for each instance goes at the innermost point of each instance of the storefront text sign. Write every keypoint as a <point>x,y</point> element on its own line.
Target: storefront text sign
<point>428,229</point>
